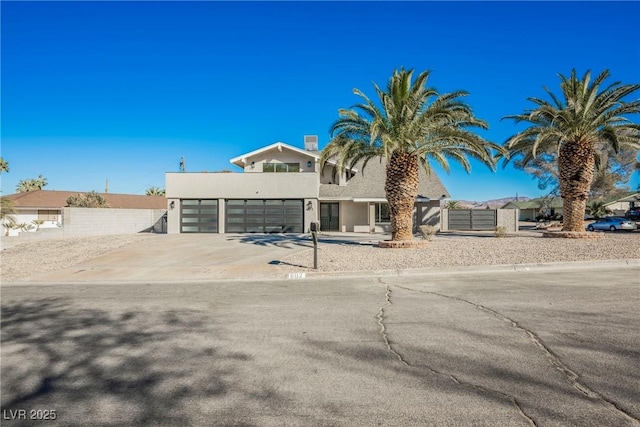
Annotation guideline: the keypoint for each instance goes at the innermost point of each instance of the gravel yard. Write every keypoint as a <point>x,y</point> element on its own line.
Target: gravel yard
<point>31,258</point>
<point>458,250</point>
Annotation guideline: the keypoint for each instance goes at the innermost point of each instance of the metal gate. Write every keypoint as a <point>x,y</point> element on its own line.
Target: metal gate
<point>472,219</point>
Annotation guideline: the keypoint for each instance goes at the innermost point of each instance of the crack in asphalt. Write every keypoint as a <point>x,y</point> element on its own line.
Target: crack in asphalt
<point>385,337</point>
<point>572,377</point>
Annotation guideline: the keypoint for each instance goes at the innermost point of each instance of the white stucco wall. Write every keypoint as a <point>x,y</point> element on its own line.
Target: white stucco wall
<point>241,185</point>
<point>353,214</point>
<point>27,216</point>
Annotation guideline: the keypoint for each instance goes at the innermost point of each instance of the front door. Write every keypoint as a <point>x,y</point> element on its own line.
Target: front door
<point>329,216</point>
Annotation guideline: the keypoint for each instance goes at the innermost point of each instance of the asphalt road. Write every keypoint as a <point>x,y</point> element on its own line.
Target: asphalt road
<point>546,348</point>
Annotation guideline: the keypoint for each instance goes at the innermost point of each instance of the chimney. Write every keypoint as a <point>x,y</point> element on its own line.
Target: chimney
<point>311,142</point>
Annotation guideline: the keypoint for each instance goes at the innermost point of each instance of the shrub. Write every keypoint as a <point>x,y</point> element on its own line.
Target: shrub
<point>90,200</point>
<point>427,231</point>
<point>501,231</point>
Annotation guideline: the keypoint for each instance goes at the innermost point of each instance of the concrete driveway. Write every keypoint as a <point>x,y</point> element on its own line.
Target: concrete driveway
<point>175,257</point>
<point>545,348</point>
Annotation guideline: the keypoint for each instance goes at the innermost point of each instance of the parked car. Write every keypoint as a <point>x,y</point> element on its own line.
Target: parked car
<point>633,214</point>
<point>612,223</point>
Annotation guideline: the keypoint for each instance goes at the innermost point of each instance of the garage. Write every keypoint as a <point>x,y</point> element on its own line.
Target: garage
<point>264,216</point>
<point>199,216</point>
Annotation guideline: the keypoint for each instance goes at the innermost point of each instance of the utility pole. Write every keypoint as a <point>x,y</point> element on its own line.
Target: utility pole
<point>182,168</point>
<point>106,186</point>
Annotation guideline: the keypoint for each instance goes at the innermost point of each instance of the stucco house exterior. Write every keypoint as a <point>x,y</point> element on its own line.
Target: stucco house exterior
<point>281,189</point>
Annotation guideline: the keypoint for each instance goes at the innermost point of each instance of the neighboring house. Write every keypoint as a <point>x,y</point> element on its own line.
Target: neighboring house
<point>48,206</point>
<point>282,190</point>
<point>534,208</point>
<point>621,204</point>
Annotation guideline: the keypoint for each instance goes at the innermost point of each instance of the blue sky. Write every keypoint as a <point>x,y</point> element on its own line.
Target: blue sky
<point>122,90</point>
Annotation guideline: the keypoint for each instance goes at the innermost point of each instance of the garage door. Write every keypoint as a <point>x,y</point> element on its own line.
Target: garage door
<point>264,216</point>
<point>199,216</point>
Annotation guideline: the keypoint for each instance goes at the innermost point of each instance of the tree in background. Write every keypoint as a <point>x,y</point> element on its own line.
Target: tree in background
<point>31,184</point>
<point>4,165</point>
<point>577,125</point>
<point>598,210</point>
<point>612,174</point>
<point>410,125</point>
<point>89,200</point>
<point>155,191</point>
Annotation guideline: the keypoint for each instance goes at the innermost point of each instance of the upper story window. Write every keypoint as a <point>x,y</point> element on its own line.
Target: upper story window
<point>281,167</point>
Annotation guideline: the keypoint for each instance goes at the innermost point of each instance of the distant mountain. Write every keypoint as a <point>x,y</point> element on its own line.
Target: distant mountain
<point>493,203</point>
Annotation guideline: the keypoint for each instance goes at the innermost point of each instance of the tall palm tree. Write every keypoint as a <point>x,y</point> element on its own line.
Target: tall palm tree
<point>411,125</point>
<point>576,125</point>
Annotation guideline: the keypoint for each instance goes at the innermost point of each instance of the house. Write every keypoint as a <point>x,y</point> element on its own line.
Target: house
<point>281,189</point>
<point>532,209</point>
<point>619,205</point>
<point>48,206</point>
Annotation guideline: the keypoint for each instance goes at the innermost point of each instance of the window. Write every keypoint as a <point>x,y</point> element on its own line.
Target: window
<point>382,212</point>
<point>44,215</point>
<point>281,167</point>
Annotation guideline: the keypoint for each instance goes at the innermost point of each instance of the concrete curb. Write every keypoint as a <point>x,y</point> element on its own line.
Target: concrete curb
<point>417,272</point>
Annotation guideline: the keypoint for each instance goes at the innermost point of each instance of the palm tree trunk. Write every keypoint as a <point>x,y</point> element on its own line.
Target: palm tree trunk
<point>576,166</point>
<point>401,187</point>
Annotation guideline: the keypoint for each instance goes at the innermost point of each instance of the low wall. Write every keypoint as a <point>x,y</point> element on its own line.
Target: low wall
<point>508,218</point>
<point>98,221</point>
<point>81,222</point>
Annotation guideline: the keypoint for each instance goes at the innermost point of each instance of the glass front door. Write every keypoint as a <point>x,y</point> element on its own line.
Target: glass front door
<point>329,216</point>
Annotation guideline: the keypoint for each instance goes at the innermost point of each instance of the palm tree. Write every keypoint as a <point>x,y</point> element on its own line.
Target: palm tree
<point>412,125</point>
<point>4,165</point>
<point>598,209</point>
<point>155,191</point>
<point>31,184</point>
<point>575,125</point>
<point>7,209</point>
<point>9,223</point>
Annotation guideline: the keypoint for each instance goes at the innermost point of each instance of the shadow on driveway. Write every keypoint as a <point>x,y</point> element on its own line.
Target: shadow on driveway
<point>293,240</point>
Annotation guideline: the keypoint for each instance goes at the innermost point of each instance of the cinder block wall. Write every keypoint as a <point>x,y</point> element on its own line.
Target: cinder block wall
<point>97,221</point>
<point>508,218</point>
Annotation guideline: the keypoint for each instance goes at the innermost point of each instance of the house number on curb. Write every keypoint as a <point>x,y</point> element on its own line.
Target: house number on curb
<point>297,275</point>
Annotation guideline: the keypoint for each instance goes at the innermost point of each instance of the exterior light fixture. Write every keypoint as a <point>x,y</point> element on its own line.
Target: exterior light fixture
<point>309,205</point>
<point>172,205</point>
<point>253,165</point>
<point>309,164</point>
